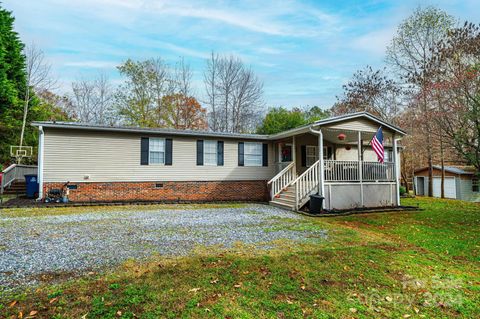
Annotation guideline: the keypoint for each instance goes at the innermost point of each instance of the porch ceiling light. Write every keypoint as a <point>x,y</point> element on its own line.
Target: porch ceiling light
<point>341,136</point>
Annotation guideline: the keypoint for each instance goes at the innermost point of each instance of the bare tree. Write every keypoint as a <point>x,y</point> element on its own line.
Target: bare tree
<point>93,100</point>
<point>372,91</point>
<point>247,100</point>
<point>409,53</point>
<point>183,78</point>
<point>234,94</point>
<point>210,80</point>
<point>38,78</point>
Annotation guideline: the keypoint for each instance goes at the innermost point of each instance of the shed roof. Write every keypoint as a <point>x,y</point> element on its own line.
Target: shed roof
<point>459,170</point>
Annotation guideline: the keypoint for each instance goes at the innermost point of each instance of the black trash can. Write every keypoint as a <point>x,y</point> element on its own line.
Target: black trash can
<point>316,202</point>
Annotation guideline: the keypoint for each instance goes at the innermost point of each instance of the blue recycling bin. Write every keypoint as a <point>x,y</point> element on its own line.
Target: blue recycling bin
<point>31,182</point>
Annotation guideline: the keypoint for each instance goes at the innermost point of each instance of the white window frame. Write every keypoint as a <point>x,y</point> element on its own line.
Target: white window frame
<point>215,146</point>
<point>151,149</point>
<point>325,152</point>
<point>388,155</point>
<point>246,154</point>
<point>309,158</point>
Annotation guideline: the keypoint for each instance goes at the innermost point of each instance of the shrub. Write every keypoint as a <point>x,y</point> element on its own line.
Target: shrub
<point>402,190</point>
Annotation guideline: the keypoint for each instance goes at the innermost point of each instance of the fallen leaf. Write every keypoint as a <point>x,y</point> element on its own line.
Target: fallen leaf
<point>238,285</point>
<point>302,287</point>
<point>388,298</point>
<point>353,310</point>
<point>406,316</point>
<point>416,309</point>
<point>214,281</point>
<point>33,313</point>
<point>119,313</point>
<point>13,303</point>
<point>20,315</point>
<point>194,290</point>
<point>53,300</point>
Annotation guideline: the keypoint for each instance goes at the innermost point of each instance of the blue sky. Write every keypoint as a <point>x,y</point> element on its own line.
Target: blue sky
<point>302,50</point>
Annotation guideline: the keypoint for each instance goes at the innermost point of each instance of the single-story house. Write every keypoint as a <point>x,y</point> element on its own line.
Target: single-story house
<point>331,157</point>
<point>460,182</point>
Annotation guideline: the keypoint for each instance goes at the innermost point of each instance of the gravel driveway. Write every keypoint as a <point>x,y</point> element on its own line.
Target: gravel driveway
<point>82,242</point>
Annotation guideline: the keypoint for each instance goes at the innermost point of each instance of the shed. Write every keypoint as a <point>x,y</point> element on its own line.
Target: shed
<point>461,182</point>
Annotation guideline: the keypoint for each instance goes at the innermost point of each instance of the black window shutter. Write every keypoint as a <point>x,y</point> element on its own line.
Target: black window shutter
<point>265,155</point>
<point>199,152</point>
<point>168,151</point>
<point>240,154</point>
<point>303,151</point>
<point>144,145</point>
<point>220,153</point>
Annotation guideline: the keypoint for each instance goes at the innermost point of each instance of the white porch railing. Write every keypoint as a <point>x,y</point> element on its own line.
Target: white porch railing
<point>14,172</point>
<point>375,171</point>
<point>305,184</point>
<point>283,179</point>
<point>348,171</point>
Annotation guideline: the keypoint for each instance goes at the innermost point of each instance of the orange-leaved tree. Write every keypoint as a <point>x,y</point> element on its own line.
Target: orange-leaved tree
<point>184,112</point>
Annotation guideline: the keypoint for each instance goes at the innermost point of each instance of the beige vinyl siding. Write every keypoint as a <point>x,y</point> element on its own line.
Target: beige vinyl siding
<point>70,155</point>
<point>359,124</point>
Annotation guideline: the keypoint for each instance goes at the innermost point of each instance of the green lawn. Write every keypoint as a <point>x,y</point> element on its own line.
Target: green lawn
<point>389,265</point>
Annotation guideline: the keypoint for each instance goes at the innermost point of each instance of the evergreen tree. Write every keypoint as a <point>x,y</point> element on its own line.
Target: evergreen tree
<point>12,84</point>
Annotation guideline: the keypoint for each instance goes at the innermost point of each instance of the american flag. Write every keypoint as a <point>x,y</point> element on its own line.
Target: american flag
<point>377,145</point>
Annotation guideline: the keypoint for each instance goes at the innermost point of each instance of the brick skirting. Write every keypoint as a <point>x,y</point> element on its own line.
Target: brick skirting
<point>166,191</point>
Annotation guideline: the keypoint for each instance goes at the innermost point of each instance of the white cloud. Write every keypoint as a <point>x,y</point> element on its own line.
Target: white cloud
<point>374,42</point>
<point>95,64</point>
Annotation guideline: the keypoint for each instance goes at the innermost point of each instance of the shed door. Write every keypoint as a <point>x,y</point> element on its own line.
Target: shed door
<point>450,189</point>
<point>420,185</point>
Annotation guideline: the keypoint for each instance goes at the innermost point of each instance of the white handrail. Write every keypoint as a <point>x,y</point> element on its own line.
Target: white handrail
<point>283,179</point>
<point>281,172</point>
<point>305,184</point>
<point>14,172</point>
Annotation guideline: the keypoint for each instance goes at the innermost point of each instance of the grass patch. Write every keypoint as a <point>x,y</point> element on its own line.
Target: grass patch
<point>389,265</point>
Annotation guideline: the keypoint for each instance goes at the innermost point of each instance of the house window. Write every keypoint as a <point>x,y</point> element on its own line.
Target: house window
<point>312,155</point>
<point>157,151</point>
<point>253,154</point>
<point>210,153</point>
<point>327,153</point>
<point>388,156</point>
<point>475,184</point>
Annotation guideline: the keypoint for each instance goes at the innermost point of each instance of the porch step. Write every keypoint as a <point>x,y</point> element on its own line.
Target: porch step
<point>17,187</point>
<point>281,204</point>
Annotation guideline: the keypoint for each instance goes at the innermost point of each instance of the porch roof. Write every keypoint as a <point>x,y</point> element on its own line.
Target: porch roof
<point>338,119</point>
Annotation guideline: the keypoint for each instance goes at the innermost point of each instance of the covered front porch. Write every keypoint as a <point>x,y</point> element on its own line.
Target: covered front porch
<point>351,176</point>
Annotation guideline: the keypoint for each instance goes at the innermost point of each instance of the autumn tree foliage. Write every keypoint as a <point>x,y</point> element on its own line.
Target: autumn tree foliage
<point>454,84</point>
<point>184,112</point>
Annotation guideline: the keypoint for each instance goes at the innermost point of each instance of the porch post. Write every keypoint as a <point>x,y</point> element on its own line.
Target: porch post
<point>360,166</point>
<point>396,169</point>
<point>294,154</point>
<point>321,177</point>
